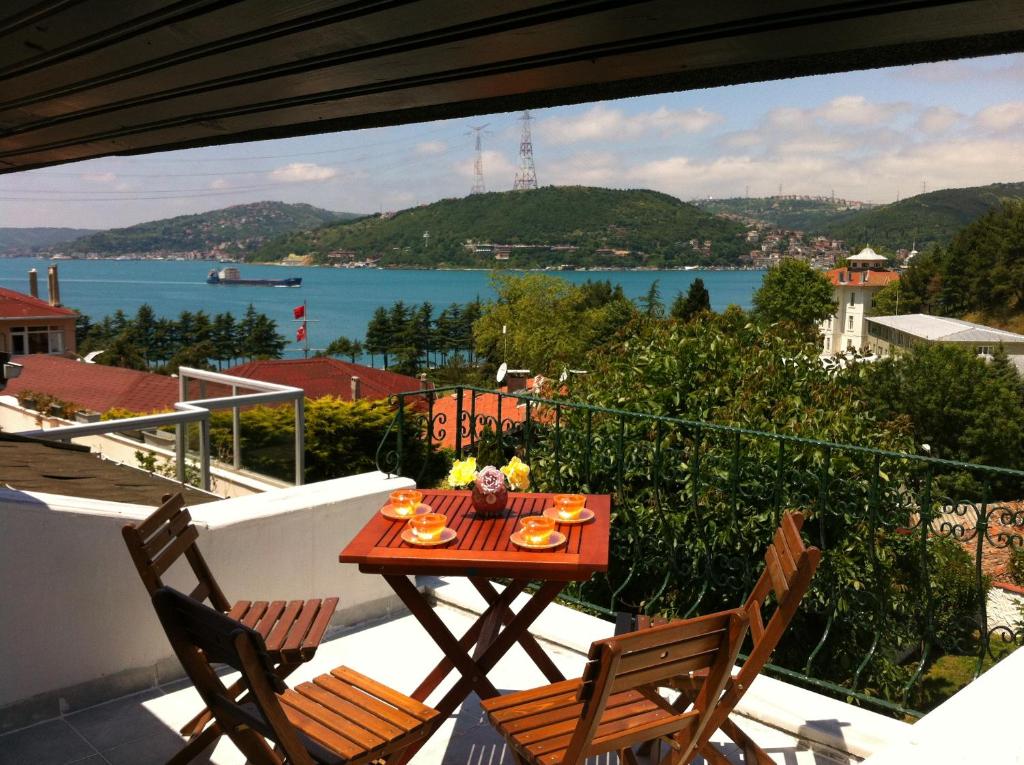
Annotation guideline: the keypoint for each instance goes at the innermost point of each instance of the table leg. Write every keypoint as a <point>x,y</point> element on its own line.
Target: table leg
<point>446,641</point>
<point>526,640</point>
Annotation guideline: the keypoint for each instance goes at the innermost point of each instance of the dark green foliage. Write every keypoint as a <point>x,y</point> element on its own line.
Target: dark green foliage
<point>696,301</point>
<point>651,304</point>
<point>1016,565</point>
<point>980,273</point>
<point>410,339</point>
<point>344,346</point>
<point>341,439</point>
<point>813,215</point>
<point>243,227</point>
<point>193,340</point>
<point>551,324</point>
<point>28,240</point>
<point>657,225</point>
<point>795,294</point>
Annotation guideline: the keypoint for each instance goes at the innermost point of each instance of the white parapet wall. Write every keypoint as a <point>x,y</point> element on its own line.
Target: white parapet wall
<point>76,624</point>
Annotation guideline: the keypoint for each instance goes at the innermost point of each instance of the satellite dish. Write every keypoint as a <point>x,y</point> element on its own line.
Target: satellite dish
<point>90,357</point>
<point>502,371</point>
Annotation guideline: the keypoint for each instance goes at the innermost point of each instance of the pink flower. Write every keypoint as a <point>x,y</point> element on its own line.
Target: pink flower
<point>490,480</point>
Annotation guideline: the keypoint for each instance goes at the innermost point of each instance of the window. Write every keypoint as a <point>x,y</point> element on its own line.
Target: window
<point>851,322</point>
<point>827,343</point>
<point>853,299</point>
<point>983,350</point>
<point>36,339</point>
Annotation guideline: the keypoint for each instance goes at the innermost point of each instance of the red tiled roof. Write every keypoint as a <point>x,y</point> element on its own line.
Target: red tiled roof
<point>853,278</point>
<point>17,305</point>
<point>486,409</point>
<point>323,376</point>
<point>94,386</point>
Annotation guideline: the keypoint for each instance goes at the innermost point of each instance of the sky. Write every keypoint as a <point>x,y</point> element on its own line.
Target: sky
<point>873,136</point>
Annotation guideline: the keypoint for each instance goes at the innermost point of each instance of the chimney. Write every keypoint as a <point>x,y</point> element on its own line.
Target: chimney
<point>33,282</point>
<point>355,388</point>
<point>54,285</point>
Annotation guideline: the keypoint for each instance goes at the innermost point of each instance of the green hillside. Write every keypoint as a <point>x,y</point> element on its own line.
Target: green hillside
<point>932,218</point>
<point>656,228</point>
<point>813,214</point>
<point>234,230</point>
<point>23,241</point>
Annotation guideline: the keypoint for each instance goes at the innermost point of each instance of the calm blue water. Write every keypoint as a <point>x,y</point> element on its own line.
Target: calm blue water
<point>340,301</point>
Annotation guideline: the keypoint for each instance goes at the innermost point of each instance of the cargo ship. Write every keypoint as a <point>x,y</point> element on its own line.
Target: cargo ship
<point>233,276</point>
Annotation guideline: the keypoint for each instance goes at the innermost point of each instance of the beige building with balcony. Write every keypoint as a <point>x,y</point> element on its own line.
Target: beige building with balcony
<point>854,287</point>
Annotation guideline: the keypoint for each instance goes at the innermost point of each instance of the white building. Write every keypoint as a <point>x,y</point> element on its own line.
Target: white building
<point>854,288</point>
<point>887,333</point>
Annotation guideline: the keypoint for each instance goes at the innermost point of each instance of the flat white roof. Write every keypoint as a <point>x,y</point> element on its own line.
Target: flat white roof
<point>946,329</point>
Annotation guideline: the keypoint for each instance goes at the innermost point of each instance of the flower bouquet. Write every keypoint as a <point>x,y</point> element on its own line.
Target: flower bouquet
<point>490,484</point>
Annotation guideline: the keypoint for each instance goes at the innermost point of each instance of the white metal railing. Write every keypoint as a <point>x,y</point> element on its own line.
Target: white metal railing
<point>198,410</point>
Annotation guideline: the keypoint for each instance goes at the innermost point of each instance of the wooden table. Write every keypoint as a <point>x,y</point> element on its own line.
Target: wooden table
<point>482,551</point>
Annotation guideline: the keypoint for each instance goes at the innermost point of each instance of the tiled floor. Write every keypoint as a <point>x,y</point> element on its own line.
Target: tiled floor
<point>141,729</point>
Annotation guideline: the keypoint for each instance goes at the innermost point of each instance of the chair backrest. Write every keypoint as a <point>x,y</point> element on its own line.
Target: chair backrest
<point>164,537</point>
<point>201,635</point>
<point>789,568</point>
<point>644,660</point>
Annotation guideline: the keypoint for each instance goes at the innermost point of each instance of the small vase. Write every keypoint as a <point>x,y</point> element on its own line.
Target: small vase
<point>490,502</point>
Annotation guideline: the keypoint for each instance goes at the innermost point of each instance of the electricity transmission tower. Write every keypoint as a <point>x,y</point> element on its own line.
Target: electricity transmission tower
<point>478,165</point>
<point>526,176</point>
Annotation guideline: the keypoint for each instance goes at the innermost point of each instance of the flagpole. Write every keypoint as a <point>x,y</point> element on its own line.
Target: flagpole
<point>305,335</point>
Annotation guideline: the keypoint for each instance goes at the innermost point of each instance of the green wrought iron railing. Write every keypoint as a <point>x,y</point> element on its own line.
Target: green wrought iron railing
<point>911,543</point>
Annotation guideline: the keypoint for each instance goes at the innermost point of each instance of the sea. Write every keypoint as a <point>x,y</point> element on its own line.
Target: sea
<point>339,302</point>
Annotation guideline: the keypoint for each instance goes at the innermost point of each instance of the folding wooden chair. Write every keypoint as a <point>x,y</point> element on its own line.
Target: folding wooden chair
<point>291,630</point>
<point>340,718</point>
<point>616,703</point>
<point>789,568</point>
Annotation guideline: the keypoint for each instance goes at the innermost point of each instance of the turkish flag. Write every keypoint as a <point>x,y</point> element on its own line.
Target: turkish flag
<point>301,334</point>
<point>299,311</point>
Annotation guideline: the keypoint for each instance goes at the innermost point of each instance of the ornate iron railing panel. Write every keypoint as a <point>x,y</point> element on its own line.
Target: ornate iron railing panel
<point>906,539</point>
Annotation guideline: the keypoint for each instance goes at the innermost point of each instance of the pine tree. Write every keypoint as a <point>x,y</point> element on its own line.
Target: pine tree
<point>696,301</point>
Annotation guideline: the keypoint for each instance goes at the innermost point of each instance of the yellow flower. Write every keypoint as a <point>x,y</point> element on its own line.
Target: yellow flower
<point>463,472</point>
<point>518,474</point>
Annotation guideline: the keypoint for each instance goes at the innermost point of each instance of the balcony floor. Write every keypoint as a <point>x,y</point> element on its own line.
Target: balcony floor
<point>141,729</point>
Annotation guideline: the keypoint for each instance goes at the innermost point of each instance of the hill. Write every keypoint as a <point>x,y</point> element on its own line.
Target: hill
<point>932,218</point>
<point>811,214</point>
<point>24,241</point>
<point>236,230</point>
<point>547,226</point>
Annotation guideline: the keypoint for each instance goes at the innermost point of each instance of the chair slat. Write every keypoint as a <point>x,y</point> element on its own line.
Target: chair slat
<point>670,652</point>
<point>201,592</point>
<point>756,623</point>
<point>316,632</point>
<point>330,718</point>
<point>321,733</point>
<point>167,509</point>
<point>527,703</point>
<point>167,533</point>
<point>375,706</point>
<point>786,559</point>
<point>653,675</point>
<point>270,618</point>
<point>669,632</point>
<point>174,551</point>
<point>239,609</point>
<point>372,687</point>
<point>378,726</point>
<point>779,583</point>
<point>275,641</point>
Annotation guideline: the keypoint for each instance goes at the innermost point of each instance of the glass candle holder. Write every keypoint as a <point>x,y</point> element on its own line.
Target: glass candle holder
<point>405,501</point>
<point>428,526</point>
<point>536,529</point>
<point>569,506</point>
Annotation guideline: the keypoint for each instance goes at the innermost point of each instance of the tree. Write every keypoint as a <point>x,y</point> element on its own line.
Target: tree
<point>696,301</point>
<point>378,335</point>
<point>794,293</point>
<point>224,337</point>
<point>651,304</point>
<point>344,346</point>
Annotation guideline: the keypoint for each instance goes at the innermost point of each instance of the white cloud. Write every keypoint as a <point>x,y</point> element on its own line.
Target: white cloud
<point>857,110</point>
<point>1002,116</point>
<point>499,172</point>
<point>301,172</point>
<point>937,119</point>
<point>431,148</point>
<point>99,177</point>
<point>603,123</point>
<point>220,183</point>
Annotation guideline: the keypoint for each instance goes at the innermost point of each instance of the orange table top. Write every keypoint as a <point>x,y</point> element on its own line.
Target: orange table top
<point>483,547</point>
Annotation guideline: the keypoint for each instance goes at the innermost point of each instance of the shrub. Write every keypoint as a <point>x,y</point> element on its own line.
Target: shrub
<point>1016,565</point>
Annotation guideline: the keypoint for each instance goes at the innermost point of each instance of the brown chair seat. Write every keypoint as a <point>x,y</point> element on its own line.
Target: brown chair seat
<point>292,630</point>
<point>539,723</point>
<point>354,717</point>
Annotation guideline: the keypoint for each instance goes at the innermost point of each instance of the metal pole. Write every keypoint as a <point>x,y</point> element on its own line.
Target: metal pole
<point>204,451</point>
<point>300,440</point>
<point>181,433</point>
<point>236,431</point>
